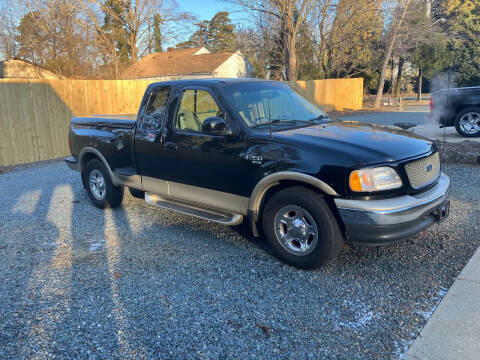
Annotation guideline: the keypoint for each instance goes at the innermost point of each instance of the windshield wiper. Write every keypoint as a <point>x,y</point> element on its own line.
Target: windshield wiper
<point>320,117</point>
<point>291,121</point>
<point>273,122</point>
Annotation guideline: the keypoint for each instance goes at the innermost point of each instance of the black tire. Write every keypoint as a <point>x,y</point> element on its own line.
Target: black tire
<point>329,240</point>
<point>139,194</point>
<point>112,196</point>
<point>475,111</point>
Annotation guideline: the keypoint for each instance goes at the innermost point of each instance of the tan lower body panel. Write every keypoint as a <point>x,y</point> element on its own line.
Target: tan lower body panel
<point>193,210</point>
<point>134,181</point>
<point>212,199</point>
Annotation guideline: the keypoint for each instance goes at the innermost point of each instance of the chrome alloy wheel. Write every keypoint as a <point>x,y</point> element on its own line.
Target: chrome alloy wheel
<point>296,230</point>
<point>470,123</point>
<point>97,184</point>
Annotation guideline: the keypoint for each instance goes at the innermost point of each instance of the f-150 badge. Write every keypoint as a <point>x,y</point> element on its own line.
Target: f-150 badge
<point>255,159</point>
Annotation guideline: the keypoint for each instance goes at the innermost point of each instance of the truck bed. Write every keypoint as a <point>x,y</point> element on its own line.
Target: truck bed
<point>113,121</point>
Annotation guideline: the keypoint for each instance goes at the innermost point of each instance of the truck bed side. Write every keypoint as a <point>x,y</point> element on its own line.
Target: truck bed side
<point>112,136</point>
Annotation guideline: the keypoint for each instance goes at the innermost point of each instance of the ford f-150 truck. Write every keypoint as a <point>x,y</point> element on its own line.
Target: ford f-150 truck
<point>229,150</point>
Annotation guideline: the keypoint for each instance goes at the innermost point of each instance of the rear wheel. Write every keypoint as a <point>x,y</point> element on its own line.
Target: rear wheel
<point>99,186</point>
<point>301,229</point>
<point>467,122</point>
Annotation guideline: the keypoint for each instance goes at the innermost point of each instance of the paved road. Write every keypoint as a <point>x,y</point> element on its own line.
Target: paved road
<point>413,114</point>
<point>138,282</point>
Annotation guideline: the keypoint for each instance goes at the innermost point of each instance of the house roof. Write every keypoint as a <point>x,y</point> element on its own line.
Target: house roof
<point>20,68</point>
<point>177,62</point>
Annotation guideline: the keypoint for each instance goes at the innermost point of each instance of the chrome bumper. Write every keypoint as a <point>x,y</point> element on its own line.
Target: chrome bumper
<point>72,163</point>
<point>383,221</point>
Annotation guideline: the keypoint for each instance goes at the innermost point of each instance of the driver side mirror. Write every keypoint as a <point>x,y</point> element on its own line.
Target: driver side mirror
<point>214,125</point>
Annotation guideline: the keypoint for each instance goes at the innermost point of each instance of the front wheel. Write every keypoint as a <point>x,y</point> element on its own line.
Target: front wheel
<point>100,188</point>
<point>301,229</point>
<point>467,122</point>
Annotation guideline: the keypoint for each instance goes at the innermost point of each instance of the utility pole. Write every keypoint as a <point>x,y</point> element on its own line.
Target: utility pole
<point>428,14</point>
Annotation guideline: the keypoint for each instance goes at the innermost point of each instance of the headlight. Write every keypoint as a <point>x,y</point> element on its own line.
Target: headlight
<point>374,179</point>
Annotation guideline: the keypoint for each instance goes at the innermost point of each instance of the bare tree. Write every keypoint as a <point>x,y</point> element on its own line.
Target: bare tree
<point>55,28</point>
<point>398,17</point>
<point>133,21</point>
<point>8,45</point>
<point>291,14</point>
<point>136,17</point>
<point>9,14</point>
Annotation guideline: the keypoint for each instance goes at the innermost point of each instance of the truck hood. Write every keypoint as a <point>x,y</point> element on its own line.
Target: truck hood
<point>365,143</point>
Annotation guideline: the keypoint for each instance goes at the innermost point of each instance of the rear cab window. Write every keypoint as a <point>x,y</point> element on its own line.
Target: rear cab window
<point>156,108</point>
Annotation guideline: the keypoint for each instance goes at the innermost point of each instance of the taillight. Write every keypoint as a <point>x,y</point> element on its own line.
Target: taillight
<point>431,103</point>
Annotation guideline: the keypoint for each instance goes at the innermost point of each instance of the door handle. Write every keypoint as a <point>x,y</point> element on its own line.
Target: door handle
<point>171,146</point>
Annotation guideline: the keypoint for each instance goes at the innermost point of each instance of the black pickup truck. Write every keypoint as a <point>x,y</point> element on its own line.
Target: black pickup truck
<point>225,150</point>
<point>459,107</point>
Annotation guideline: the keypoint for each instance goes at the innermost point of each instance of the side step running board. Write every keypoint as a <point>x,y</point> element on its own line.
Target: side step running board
<point>194,210</point>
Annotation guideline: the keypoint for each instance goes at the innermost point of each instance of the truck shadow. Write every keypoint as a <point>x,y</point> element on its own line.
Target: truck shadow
<point>31,238</point>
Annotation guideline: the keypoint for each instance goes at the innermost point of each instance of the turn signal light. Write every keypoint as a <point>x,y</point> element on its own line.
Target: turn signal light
<point>374,179</point>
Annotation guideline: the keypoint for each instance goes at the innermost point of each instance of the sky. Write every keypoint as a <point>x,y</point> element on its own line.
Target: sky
<point>205,9</point>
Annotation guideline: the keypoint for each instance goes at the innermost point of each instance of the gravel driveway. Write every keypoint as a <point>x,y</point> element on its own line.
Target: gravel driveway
<point>138,282</point>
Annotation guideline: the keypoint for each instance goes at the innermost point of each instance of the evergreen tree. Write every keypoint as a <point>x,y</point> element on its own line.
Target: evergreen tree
<point>115,25</point>
<point>198,38</point>
<point>157,34</point>
<point>220,33</point>
<point>463,28</point>
<point>308,68</point>
<point>217,34</point>
<point>31,39</point>
<point>276,54</point>
<point>355,40</point>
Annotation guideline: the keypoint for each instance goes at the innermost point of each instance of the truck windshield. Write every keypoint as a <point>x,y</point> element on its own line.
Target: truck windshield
<point>258,103</point>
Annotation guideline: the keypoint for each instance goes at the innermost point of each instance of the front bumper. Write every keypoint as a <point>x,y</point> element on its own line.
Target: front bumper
<point>72,163</point>
<point>378,222</point>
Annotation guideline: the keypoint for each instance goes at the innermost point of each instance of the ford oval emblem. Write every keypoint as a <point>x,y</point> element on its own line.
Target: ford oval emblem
<point>429,167</point>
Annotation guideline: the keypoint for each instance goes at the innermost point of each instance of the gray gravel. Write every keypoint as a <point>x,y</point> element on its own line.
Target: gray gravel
<point>138,282</point>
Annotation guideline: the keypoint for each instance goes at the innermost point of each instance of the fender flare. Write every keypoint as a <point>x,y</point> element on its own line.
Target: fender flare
<point>274,179</point>
<point>91,150</point>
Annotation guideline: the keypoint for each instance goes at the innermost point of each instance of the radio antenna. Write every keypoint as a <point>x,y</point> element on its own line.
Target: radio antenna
<point>448,95</point>
<point>269,114</point>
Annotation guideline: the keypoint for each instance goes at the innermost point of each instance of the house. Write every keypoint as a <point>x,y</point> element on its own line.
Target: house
<point>195,63</point>
<point>21,69</point>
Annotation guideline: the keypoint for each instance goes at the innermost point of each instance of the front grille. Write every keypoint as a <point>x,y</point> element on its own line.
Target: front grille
<point>424,171</point>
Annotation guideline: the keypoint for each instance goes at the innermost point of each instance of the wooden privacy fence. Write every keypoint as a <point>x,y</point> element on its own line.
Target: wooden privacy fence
<point>332,94</point>
<point>35,114</point>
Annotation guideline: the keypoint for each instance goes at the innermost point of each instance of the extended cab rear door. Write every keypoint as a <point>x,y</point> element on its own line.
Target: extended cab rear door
<point>149,149</point>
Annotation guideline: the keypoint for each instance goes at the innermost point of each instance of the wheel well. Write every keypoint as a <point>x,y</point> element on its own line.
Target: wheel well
<point>83,164</point>
<point>283,184</point>
<point>86,158</point>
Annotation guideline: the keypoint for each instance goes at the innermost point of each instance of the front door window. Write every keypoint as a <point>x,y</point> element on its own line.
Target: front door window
<point>195,107</point>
